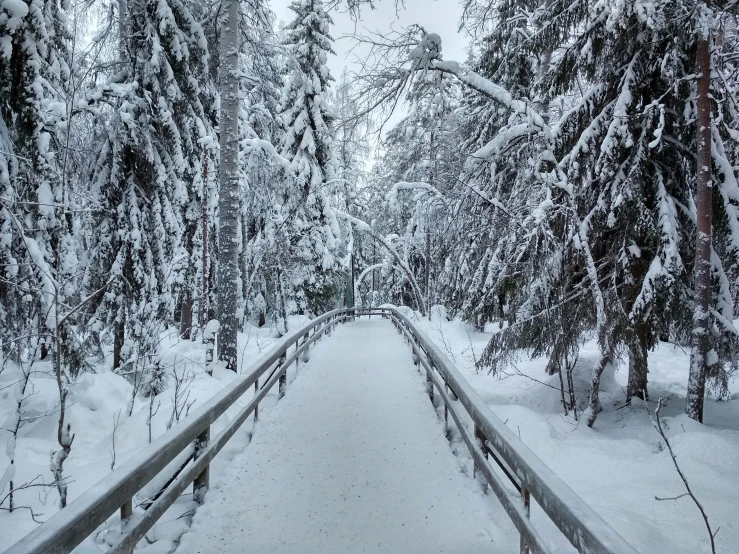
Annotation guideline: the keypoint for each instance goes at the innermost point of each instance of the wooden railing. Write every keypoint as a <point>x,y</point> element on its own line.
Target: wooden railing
<point>486,436</point>
<point>69,527</point>
<point>517,474</point>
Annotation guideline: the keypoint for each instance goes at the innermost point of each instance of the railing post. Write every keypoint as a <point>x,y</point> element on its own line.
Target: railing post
<point>200,484</point>
<point>526,497</point>
<point>429,382</point>
<point>126,512</point>
<point>416,356</point>
<point>305,352</point>
<point>256,391</point>
<point>480,436</point>
<point>297,358</point>
<point>283,375</point>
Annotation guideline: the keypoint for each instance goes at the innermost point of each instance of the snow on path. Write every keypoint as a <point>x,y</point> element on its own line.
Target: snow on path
<point>353,459</point>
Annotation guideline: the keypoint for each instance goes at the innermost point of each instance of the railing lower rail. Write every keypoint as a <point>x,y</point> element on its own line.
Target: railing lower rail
<point>72,525</point>
<point>490,439</point>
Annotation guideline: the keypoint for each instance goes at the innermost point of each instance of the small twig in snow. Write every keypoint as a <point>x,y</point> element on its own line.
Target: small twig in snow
<point>658,426</point>
<point>678,497</point>
<point>116,420</point>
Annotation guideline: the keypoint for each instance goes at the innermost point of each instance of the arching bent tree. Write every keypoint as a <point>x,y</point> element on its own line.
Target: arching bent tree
<point>365,227</point>
<point>368,271</point>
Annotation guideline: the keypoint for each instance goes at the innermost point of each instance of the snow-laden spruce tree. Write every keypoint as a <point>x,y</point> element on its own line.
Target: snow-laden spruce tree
<point>36,248</point>
<point>620,232</point>
<point>263,180</point>
<point>148,175</point>
<point>199,116</point>
<point>476,278</point>
<point>312,228</point>
<point>595,170</point>
<point>420,164</point>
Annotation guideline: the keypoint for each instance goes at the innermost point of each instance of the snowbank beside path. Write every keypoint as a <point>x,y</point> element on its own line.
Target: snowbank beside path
<point>622,464</point>
<point>96,400</point>
<point>353,459</point>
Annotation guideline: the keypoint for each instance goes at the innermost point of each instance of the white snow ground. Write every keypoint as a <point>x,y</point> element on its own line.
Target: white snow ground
<point>96,400</point>
<point>353,459</point>
<point>618,467</point>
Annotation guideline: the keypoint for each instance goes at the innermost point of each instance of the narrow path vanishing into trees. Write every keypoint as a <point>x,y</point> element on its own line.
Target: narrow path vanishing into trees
<point>354,459</point>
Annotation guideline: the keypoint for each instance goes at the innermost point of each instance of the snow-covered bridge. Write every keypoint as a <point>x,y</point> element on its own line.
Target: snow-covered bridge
<point>354,459</point>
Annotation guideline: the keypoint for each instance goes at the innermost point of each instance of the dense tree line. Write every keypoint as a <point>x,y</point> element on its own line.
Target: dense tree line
<point>172,162</point>
<point>591,137</point>
<point>162,163</point>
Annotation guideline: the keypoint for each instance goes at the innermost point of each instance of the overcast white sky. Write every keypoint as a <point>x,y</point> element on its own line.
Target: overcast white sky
<point>436,16</point>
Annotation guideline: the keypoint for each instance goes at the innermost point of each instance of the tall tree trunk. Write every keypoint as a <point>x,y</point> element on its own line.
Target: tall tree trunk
<point>427,269</point>
<point>594,406</point>
<point>123,29</point>
<point>186,316</point>
<point>374,275</point>
<point>281,290</point>
<point>228,204</point>
<point>204,221</point>
<point>427,264</point>
<point>542,105</point>
<point>119,337</point>
<point>701,340</point>
<point>638,367</point>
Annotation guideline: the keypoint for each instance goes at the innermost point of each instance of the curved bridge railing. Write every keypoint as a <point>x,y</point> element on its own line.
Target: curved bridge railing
<point>69,527</point>
<point>489,440</point>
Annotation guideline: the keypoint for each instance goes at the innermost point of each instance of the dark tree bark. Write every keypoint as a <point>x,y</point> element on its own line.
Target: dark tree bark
<point>186,317</point>
<point>594,406</point>
<point>638,366</point>
<point>427,270</point>
<point>119,337</point>
<point>701,340</point>
<point>204,316</point>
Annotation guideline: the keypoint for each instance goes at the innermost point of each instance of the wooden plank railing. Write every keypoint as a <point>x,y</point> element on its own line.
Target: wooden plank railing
<point>69,527</point>
<point>489,439</point>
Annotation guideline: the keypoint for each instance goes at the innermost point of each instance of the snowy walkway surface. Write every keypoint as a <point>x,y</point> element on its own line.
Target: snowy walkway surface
<point>353,459</point>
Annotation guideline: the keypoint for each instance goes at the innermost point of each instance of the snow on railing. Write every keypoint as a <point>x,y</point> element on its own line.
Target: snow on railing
<point>585,529</point>
<point>72,525</point>
<point>492,439</point>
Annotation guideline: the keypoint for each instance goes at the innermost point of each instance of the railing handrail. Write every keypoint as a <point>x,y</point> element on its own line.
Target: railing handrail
<point>585,529</point>
<point>66,529</point>
<point>580,524</point>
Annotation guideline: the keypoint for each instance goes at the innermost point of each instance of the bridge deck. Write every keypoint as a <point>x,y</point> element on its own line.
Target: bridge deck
<point>353,459</point>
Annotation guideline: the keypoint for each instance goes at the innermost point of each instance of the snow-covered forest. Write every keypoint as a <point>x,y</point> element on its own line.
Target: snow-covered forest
<point>182,183</point>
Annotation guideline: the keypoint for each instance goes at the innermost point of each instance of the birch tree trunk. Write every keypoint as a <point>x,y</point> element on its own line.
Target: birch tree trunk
<point>228,206</point>
<point>701,340</point>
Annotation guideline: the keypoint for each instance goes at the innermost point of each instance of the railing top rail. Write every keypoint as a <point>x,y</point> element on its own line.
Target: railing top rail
<point>584,528</point>
<point>70,526</point>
